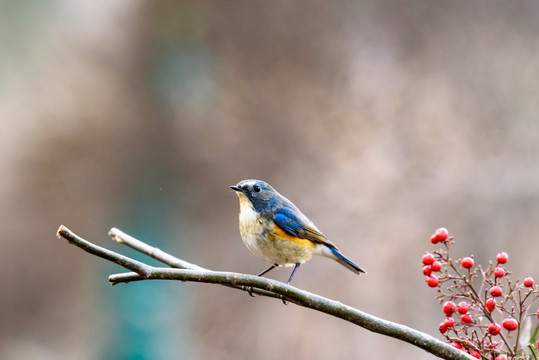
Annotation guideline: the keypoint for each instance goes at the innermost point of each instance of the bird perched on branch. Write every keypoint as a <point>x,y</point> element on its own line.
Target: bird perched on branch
<point>274,229</point>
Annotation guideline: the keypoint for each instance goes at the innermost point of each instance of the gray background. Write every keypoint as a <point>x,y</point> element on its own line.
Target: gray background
<point>381,120</point>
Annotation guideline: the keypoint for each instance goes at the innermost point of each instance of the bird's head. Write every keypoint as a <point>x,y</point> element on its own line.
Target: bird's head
<point>258,192</point>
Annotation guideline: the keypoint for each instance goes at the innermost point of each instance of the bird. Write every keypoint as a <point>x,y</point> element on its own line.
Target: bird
<point>276,231</point>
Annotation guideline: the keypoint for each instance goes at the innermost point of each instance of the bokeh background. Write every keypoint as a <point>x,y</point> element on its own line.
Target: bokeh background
<point>381,120</point>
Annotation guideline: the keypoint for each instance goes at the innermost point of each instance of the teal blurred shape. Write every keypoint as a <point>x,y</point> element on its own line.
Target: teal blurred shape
<point>184,77</point>
<point>145,319</point>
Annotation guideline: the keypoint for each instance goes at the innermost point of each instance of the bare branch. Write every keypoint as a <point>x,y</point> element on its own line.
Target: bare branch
<point>124,261</point>
<point>123,238</point>
<point>190,272</point>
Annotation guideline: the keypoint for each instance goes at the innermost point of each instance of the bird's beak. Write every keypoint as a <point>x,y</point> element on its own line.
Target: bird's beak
<point>235,188</point>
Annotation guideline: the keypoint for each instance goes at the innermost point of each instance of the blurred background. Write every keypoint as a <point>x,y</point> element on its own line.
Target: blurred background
<point>381,120</point>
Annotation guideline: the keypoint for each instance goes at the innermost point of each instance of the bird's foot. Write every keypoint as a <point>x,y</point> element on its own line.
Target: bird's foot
<point>249,290</point>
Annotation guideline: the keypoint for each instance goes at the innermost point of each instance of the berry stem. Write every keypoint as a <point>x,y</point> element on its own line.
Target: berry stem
<point>521,314</point>
<point>530,347</point>
<point>476,297</point>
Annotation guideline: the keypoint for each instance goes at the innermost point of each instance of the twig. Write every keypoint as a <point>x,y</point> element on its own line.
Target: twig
<point>124,261</point>
<point>123,238</point>
<point>244,281</point>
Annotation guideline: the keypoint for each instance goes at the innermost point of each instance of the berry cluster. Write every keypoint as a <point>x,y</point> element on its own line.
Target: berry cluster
<point>476,300</point>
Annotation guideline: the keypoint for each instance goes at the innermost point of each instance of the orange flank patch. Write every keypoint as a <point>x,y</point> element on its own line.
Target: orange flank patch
<point>281,234</point>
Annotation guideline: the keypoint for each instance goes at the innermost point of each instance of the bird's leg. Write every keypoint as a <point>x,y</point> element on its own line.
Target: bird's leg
<point>250,290</point>
<point>290,279</point>
<point>293,272</point>
<point>267,270</point>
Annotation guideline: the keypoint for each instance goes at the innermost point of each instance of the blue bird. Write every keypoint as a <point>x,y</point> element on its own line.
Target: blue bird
<point>274,229</point>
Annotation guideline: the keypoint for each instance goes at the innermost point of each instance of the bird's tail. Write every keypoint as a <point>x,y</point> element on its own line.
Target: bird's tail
<point>344,261</point>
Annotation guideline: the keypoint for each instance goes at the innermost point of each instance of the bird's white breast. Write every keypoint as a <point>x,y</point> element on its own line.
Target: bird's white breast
<point>251,227</point>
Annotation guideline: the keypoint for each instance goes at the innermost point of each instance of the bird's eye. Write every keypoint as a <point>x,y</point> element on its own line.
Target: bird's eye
<point>256,188</point>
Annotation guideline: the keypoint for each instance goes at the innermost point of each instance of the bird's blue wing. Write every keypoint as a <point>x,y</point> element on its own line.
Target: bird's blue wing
<point>288,221</point>
<point>296,224</point>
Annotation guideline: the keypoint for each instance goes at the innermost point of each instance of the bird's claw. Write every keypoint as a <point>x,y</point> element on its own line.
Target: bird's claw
<point>250,291</point>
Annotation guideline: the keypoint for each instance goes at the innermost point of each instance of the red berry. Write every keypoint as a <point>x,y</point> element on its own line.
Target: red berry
<point>502,257</point>
<point>443,327</point>
<point>436,266</point>
<point>490,304</point>
<point>427,259</point>
<point>441,234</point>
<point>467,318</point>
<point>501,357</point>
<point>449,322</point>
<point>510,324</point>
<point>496,291</point>
<point>528,282</point>
<point>427,270</point>
<point>449,307</point>
<point>538,313</point>
<point>538,344</point>
<point>434,239</point>
<point>476,354</point>
<point>456,345</point>
<point>432,281</point>
<point>467,262</point>
<point>462,308</point>
<point>494,329</point>
<point>499,272</point>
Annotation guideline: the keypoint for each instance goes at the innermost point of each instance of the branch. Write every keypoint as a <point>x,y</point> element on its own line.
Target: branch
<point>172,261</point>
<point>123,238</point>
<point>185,271</point>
